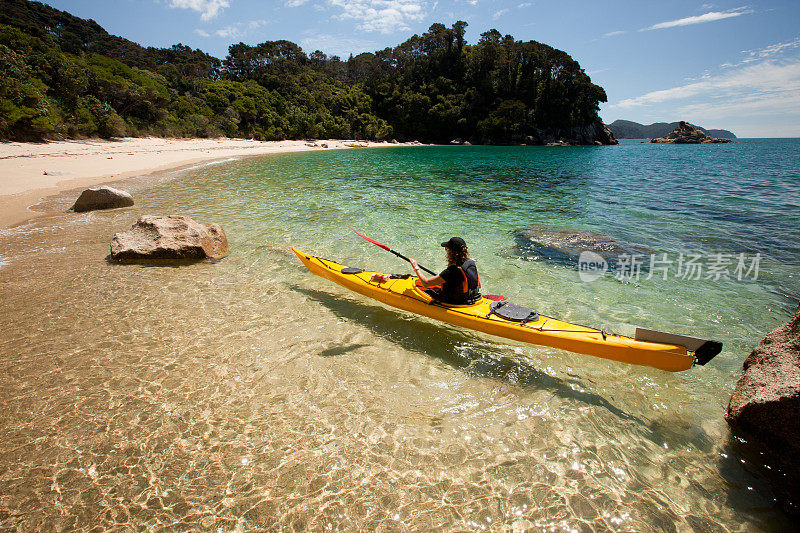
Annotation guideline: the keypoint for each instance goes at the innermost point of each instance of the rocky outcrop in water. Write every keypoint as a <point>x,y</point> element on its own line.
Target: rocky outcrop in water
<point>626,129</point>
<point>596,133</point>
<point>103,197</point>
<point>169,238</point>
<point>565,245</point>
<point>766,401</point>
<point>686,133</point>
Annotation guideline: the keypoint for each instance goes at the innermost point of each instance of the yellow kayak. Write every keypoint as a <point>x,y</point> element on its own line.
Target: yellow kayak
<point>511,321</point>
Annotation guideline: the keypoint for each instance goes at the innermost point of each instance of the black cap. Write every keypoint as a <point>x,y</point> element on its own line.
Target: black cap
<point>455,243</point>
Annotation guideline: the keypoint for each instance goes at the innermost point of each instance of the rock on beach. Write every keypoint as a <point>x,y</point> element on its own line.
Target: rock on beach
<point>102,197</point>
<point>169,238</point>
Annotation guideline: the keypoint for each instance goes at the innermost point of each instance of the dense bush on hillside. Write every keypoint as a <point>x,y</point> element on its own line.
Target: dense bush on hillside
<point>67,77</point>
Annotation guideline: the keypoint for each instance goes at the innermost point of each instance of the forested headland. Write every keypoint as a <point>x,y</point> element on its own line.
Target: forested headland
<point>626,129</point>
<point>65,77</point>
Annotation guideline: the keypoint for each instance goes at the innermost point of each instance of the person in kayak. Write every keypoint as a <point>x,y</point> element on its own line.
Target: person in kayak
<point>458,283</point>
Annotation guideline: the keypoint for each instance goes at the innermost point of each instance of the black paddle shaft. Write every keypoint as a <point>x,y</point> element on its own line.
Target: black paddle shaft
<point>401,256</point>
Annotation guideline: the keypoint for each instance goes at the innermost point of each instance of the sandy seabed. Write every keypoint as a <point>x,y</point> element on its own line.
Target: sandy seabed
<point>250,395</point>
<point>32,171</point>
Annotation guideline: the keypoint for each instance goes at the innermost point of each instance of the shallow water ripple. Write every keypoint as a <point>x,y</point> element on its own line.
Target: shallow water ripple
<point>247,395</point>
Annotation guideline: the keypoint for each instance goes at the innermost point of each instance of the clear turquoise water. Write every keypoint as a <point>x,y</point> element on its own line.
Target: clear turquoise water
<point>728,199</point>
<point>248,393</point>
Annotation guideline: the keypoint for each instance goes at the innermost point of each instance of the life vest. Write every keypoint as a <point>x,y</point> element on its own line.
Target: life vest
<point>464,290</point>
<point>472,281</point>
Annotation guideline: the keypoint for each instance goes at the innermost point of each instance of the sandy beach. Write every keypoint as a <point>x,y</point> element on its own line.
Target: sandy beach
<point>32,171</point>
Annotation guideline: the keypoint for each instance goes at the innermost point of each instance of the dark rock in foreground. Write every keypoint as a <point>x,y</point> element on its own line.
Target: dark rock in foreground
<point>169,238</point>
<point>102,198</point>
<point>766,401</point>
<point>564,245</point>
<point>685,133</point>
<point>765,410</point>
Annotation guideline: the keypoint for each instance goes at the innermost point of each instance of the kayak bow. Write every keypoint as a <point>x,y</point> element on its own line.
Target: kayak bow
<point>663,351</point>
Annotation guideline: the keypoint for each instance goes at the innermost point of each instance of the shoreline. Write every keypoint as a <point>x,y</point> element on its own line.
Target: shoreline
<point>30,172</point>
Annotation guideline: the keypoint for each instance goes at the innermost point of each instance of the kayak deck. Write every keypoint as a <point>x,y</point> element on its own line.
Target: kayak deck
<point>403,293</point>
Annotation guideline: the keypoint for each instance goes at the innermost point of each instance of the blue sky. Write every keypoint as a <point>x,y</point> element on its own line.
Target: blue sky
<point>723,64</point>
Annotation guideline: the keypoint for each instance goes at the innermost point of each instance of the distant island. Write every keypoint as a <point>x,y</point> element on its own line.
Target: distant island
<point>66,77</point>
<point>686,133</point>
<point>626,129</point>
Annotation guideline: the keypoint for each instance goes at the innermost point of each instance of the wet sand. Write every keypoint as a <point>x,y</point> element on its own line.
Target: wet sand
<point>32,171</point>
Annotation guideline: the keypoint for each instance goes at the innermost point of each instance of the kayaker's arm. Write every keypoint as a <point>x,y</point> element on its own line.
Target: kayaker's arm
<point>434,281</point>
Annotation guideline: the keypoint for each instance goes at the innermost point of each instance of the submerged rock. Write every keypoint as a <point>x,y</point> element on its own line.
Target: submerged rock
<point>478,203</point>
<point>766,401</point>
<point>565,245</point>
<point>169,238</point>
<point>686,133</point>
<point>102,197</point>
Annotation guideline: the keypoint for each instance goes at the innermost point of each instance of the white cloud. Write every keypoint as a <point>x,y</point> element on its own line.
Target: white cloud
<point>208,9</point>
<point>497,14</point>
<point>337,45</point>
<point>237,30</point>
<point>776,48</point>
<point>755,105</point>
<point>766,52</point>
<point>229,32</point>
<point>614,33</point>
<point>766,82</point>
<point>385,16</point>
<point>202,33</point>
<point>759,99</point>
<point>700,19</point>
<point>295,3</point>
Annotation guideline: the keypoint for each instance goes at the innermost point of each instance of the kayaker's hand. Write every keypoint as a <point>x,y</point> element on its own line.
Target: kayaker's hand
<point>414,265</point>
